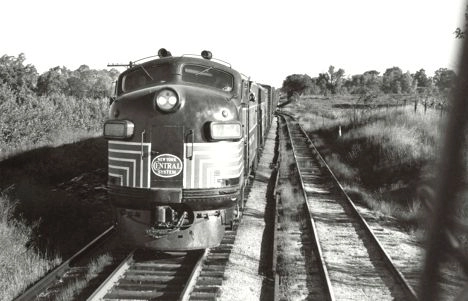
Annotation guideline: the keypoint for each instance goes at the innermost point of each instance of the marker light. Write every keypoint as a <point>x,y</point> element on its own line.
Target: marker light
<point>225,130</point>
<point>206,54</point>
<point>164,53</point>
<point>166,100</point>
<point>118,129</point>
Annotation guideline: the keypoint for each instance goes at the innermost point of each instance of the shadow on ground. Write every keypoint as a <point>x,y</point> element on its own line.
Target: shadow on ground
<point>60,191</point>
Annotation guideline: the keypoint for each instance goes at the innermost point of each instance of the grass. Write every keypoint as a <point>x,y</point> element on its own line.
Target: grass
<point>76,286</point>
<point>383,153</point>
<point>21,264</point>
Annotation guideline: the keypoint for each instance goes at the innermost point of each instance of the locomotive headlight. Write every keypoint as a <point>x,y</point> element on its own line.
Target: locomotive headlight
<point>118,129</point>
<point>167,100</point>
<point>225,130</point>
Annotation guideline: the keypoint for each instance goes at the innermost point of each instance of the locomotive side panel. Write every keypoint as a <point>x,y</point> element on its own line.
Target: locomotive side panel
<point>263,114</point>
<point>253,125</point>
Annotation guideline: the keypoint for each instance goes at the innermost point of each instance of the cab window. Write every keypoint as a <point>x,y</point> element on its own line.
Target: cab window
<point>143,76</point>
<point>209,76</point>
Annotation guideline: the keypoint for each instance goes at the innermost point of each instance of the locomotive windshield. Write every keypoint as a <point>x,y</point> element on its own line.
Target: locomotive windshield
<point>209,76</point>
<point>145,75</point>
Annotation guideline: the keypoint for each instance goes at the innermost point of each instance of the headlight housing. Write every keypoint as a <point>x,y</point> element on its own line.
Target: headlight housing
<point>231,130</point>
<point>118,129</point>
<point>166,100</point>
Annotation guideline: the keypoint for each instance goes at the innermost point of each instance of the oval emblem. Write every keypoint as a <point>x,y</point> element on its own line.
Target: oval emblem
<point>166,166</point>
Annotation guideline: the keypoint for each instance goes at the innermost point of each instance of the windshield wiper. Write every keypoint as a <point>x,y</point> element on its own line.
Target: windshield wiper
<point>146,72</point>
<point>203,71</point>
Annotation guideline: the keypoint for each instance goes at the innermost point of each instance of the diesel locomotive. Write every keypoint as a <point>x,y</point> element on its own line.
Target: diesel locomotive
<point>184,133</point>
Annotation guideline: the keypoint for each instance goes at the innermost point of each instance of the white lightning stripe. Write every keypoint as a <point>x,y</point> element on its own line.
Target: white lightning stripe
<point>124,151</point>
<point>138,147</point>
<point>218,144</point>
<point>117,176</point>
<point>129,143</point>
<point>210,154</point>
<point>133,161</point>
<point>192,174</point>
<point>184,165</point>
<point>124,168</point>
<point>200,172</point>
<point>210,177</point>
<point>141,173</point>
<point>123,159</point>
<point>208,158</point>
<point>235,173</point>
<point>149,171</point>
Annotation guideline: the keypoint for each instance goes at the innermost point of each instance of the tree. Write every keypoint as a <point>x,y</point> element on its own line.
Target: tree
<point>391,80</point>
<point>444,79</point>
<point>296,83</point>
<point>86,82</point>
<point>372,81</point>
<point>335,79</point>
<point>17,75</point>
<point>395,81</point>
<point>53,81</point>
<point>406,83</point>
<point>323,81</point>
<point>422,81</point>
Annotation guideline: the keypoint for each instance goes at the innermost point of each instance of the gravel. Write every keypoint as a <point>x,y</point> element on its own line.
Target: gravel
<point>243,280</point>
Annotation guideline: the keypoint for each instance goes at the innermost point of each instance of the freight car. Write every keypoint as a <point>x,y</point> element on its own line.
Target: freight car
<point>184,134</point>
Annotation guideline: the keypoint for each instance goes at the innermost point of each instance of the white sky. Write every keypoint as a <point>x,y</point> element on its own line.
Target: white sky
<point>266,40</point>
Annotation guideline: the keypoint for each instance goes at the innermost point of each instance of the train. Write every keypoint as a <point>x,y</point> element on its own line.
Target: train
<point>184,135</point>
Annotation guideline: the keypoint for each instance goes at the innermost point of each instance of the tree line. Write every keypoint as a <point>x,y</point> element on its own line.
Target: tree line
<point>57,106</point>
<point>82,82</point>
<point>392,81</point>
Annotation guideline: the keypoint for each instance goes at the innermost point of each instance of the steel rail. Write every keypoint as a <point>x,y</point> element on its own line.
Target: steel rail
<point>277,196</point>
<point>318,250</point>
<point>47,280</point>
<point>107,284</point>
<point>410,292</point>
<point>185,295</point>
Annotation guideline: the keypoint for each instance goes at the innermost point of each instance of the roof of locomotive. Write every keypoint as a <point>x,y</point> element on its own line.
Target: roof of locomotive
<point>183,60</point>
<point>172,69</point>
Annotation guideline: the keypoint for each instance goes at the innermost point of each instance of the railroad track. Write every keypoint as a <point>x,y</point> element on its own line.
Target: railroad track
<point>49,286</point>
<point>352,263</point>
<point>146,275</point>
<point>139,274</point>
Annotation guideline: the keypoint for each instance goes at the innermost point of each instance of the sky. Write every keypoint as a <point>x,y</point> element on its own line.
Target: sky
<point>266,40</point>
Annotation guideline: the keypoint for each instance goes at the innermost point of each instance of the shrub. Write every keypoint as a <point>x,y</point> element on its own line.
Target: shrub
<point>28,121</point>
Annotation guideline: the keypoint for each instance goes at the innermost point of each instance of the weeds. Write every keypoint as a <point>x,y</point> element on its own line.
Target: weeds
<point>74,288</point>
<point>383,153</point>
<point>20,263</point>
